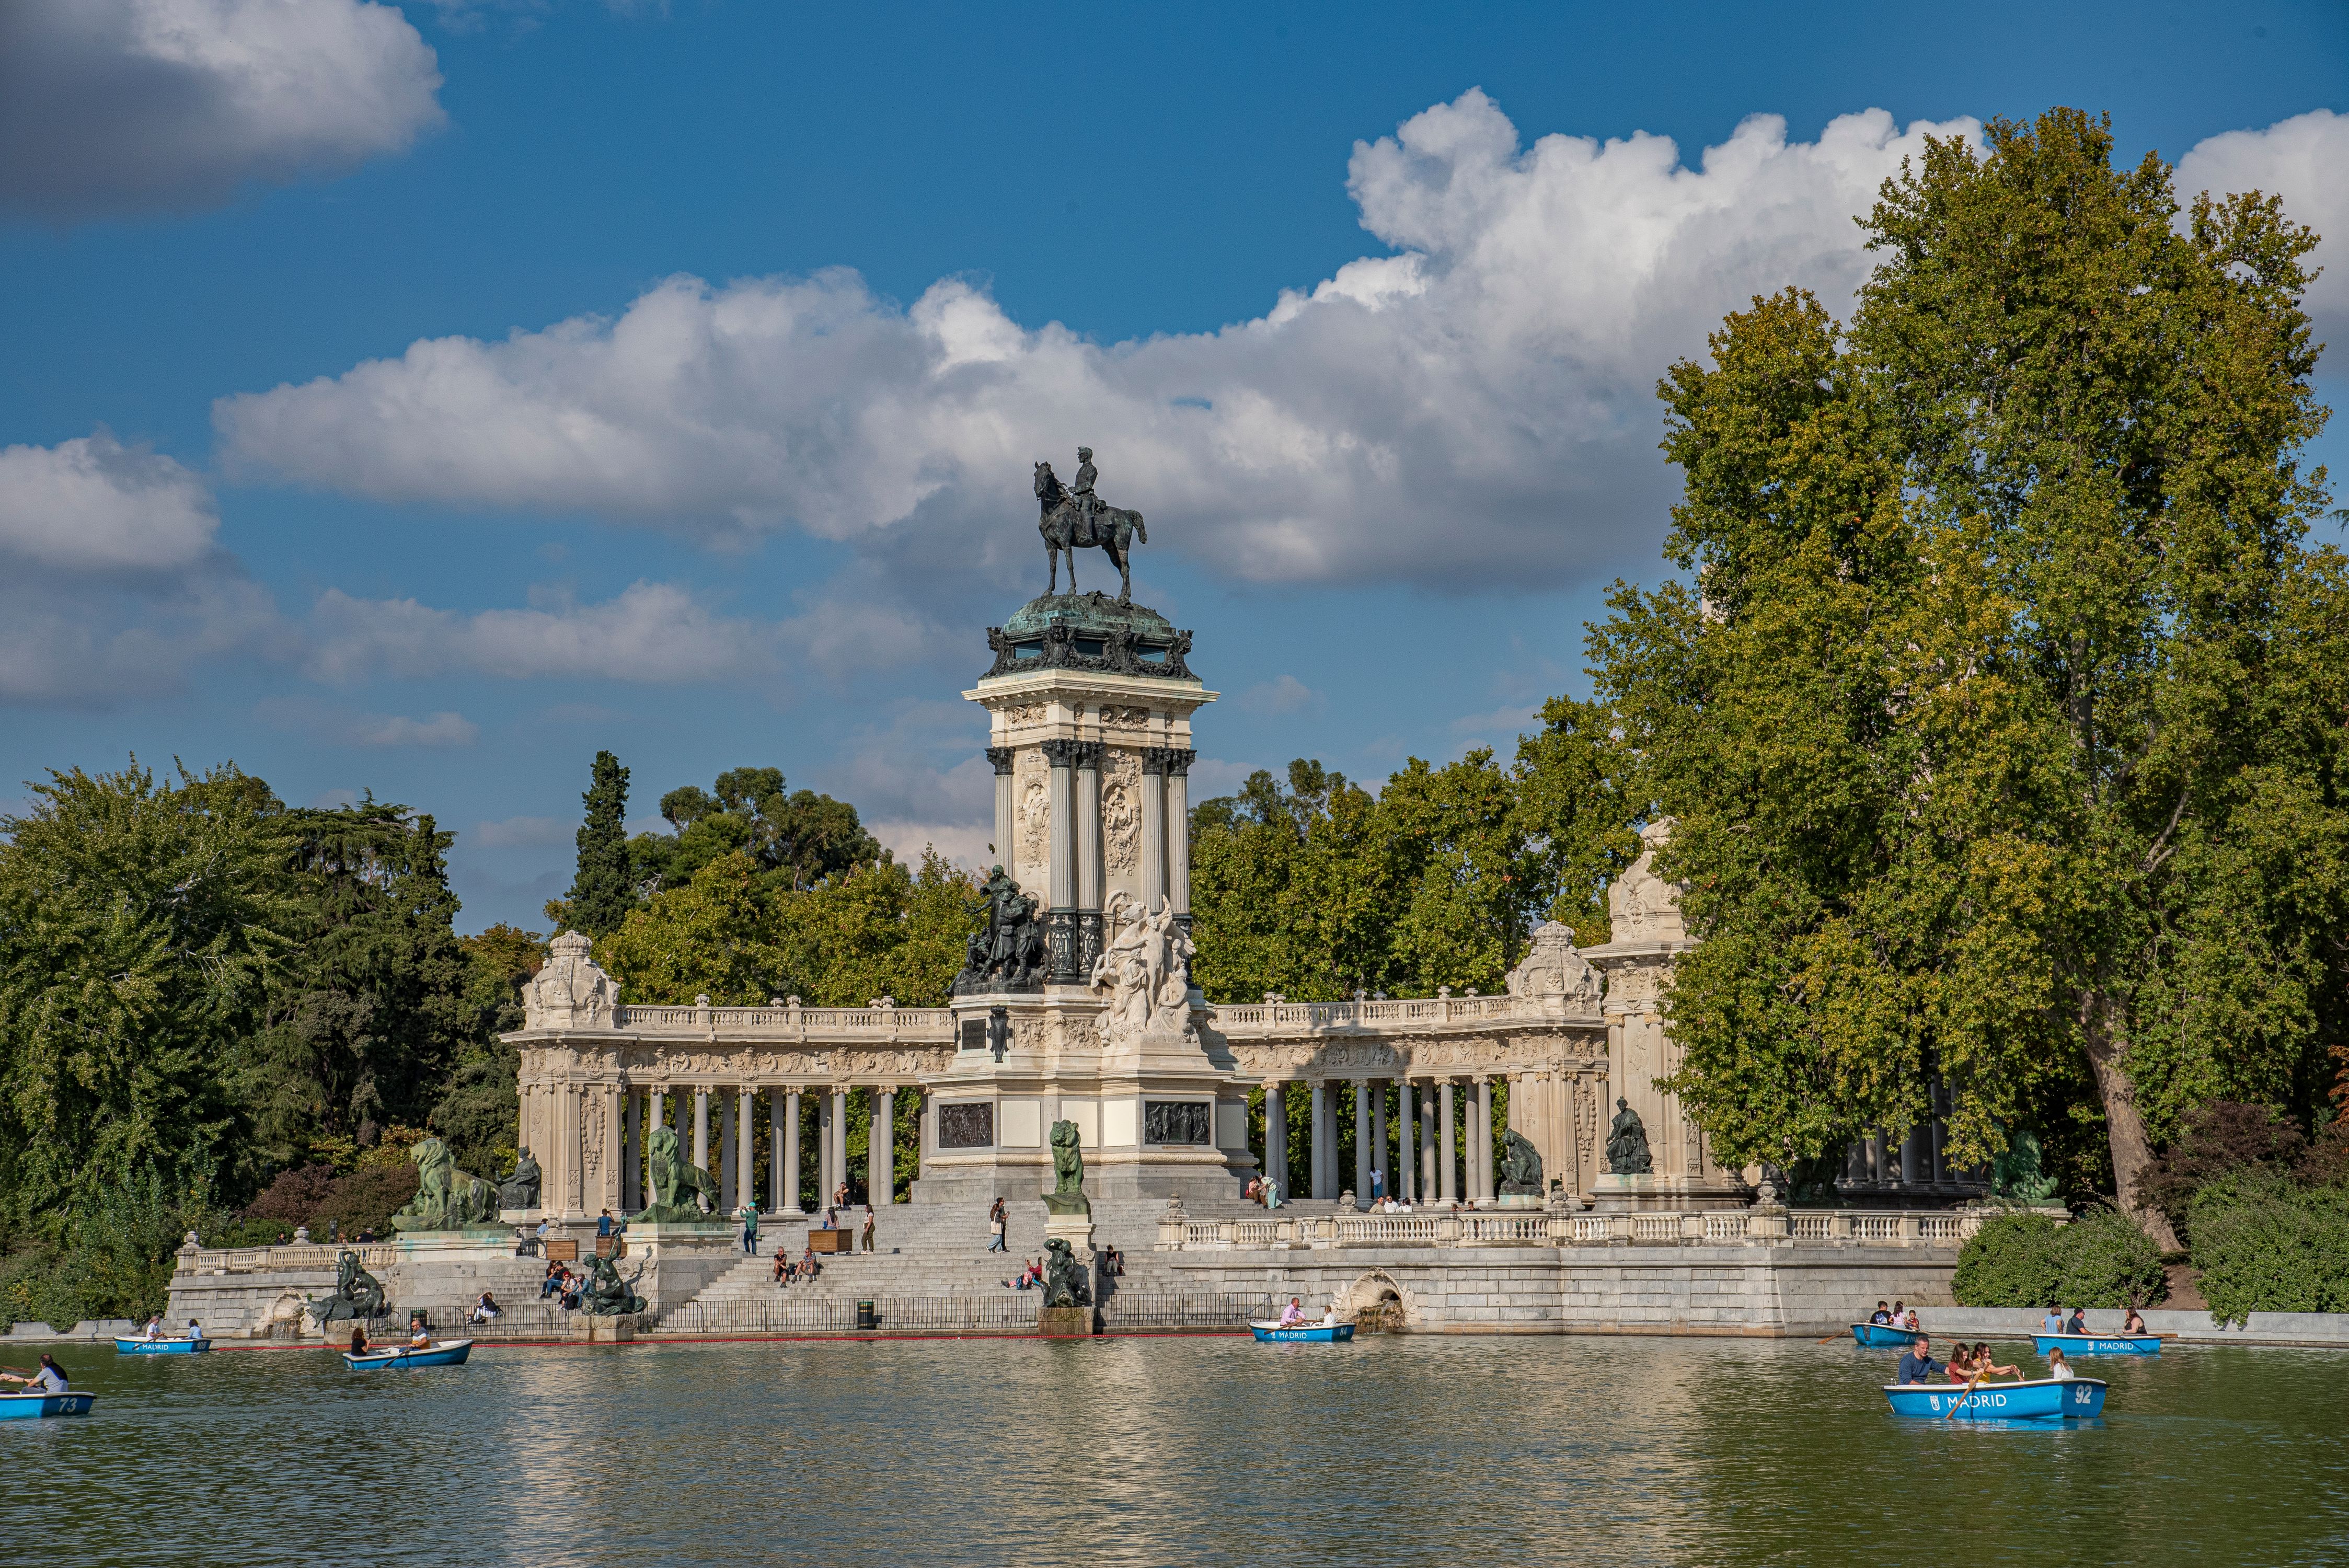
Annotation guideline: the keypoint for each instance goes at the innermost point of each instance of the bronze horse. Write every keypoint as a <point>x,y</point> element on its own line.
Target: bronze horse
<point>1065,527</point>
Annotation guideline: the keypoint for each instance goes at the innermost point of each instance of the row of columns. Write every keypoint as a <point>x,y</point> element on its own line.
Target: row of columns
<point>737,1142</point>
<point>1425,1115</point>
<point>1916,1159</point>
<point>1077,883</point>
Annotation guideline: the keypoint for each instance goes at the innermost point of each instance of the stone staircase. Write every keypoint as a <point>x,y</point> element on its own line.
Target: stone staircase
<point>931,1251</point>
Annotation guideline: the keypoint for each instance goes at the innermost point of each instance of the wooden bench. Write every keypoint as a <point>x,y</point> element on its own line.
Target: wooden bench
<point>821,1240</point>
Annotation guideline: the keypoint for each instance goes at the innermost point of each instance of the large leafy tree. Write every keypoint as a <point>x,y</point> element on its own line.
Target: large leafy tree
<point>2003,728</point>
<point>139,921</point>
<point>371,1005</point>
<point>797,839</point>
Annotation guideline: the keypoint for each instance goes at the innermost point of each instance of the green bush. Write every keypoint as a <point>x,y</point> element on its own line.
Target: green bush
<point>2028,1260</point>
<point>2012,1261</point>
<point>2108,1260</point>
<point>2263,1244</point>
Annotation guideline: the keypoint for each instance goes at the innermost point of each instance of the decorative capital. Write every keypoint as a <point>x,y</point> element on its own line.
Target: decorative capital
<point>1001,756</point>
<point>1061,753</point>
<point>1153,760</point>
<point>1091,755</point>
<point>1179,760</point>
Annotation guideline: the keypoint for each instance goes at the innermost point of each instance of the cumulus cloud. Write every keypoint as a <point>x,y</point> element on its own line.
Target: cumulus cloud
<point>2300,160</point>
<point>1281,695</point>
<point>112,583</point>
<point>1479,401</point>
<point>655,632</point>
<point>108,105</point>
<point>342,726</point>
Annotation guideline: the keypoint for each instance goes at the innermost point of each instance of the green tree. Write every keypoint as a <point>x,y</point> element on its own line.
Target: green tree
<point>369,1007</point>
<point>710,937</point>
<point>478,1110</point>
<point>603,887</point>
<point>797,839</point>
<point>2001,729</point>
<point>1578,811</point>
<point>140,921</point>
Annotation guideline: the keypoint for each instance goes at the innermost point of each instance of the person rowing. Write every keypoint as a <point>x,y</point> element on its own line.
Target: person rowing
<point>1293,1313</point>
<point>1919,1366</point>
<point>47,1378</point>
<point>1983,1366</point>
<point>155,1328</point>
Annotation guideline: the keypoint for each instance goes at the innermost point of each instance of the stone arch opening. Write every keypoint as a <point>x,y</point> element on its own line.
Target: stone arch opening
<point>1378,1303</point>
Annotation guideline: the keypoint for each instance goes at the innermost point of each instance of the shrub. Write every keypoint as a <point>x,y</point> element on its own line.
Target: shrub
<point>2110,1262</point>
<point>363,1198</point>
<point>2264,1245</point>
<point>2012,1261</point>
<point>2219,1139</point>
<point>2102,1258</point>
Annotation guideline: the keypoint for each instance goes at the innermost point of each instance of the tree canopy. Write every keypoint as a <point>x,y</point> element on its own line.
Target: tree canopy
<point>2003,725</point>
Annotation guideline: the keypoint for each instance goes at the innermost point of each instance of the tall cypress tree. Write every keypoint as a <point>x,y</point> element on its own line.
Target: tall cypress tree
<point>602,893</point>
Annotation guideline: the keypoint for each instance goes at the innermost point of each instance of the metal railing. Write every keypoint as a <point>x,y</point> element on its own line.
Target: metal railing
<point>1004,1312</point>
<point>1137,1312</point>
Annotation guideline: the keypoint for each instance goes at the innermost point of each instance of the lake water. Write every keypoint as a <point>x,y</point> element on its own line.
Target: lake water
<point>1437,1452</point>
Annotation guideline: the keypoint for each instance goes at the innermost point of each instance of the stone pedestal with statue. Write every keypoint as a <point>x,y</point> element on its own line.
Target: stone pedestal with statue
<point>1075,1005</point>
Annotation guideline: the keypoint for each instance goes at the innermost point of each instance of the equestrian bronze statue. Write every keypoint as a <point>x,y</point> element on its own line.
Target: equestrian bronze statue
<point>1073,518</point>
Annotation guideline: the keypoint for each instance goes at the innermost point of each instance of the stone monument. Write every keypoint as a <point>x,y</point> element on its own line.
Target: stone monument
<point>446,1198</point>
<point>1075,1006</point>
<point>1521,1172</point>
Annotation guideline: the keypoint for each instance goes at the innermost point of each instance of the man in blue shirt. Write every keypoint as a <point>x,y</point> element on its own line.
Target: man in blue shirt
<point>2079,1324</point>
<point>1919,1366</point>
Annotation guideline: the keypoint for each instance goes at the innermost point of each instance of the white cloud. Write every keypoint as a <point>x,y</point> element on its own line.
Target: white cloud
<point>2305,161</point>
<point>344,727</point>
<point>1480,402</point>
<point>524,830</point>
<point>962,843</point>
<point>91,504</point>
<point>106,105</point>
<point>655,632</point>
<point>1281,695</point>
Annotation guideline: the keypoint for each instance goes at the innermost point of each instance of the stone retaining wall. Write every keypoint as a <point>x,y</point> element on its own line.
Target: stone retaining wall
<point>2329,1328</point>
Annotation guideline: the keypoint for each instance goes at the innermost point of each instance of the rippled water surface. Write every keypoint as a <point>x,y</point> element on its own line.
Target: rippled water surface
<point>1434,1452</point>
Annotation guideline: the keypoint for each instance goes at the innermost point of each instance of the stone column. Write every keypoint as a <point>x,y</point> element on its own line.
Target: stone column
<point>1276,1133</point>
<point>1361,1143</point>
<point>615,1172</point>
<point>1379,1135</point>
<point>1427,1187</point>
<point>881,1175</point>
<point>1483,1133</point>
<point>1002,757</point>
<point>1062,755</point>
<point>632,1153</point>
<point>1154,830</point>
<point>839,1139</point>
<point>701,1128</point>
<point>1448,1182</point>
<point>1091,755</point>
<point>775,1167</point>
<point>1910,1150</point>
<point>1321,1140</point>
<point>1406,1172</point>
<point>726,1154</point>
<point>1179,831</point>
<point>791,1204</point>
<point>746,1148</point>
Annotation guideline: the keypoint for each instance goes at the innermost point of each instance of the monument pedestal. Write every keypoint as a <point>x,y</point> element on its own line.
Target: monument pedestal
<point>1077,1229</point>
<point>1614,1194</point>
<point>1065,1322</point>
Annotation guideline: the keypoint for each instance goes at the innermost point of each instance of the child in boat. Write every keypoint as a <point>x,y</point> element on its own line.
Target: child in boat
<point>1984,1366</point>
<point>2057,1368</point>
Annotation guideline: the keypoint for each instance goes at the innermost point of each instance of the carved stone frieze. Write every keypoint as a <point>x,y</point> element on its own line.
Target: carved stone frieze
<point>1120,810</point>
<point>1032,806</point>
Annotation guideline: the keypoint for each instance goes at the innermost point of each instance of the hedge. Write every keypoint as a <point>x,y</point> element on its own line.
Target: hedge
<point>2263,1244</point>
<point>2027,1260</point>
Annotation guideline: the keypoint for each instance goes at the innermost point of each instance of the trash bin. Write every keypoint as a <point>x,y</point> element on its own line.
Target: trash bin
<point>867,1320</point>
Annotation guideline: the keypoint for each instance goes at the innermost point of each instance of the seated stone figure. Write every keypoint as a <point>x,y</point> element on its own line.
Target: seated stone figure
<point>1626,1143</point>
<point>359,1294</point>
<point>520,1190</point>
<point>607,1294</point>
<point>1521,1166</point>
<point>1065,1283</point>
<point>673,1183</point>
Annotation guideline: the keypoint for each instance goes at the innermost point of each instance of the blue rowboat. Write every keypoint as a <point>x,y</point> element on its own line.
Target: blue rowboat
<point>2042,1399</point>
<point>2101,1344</point>
<point>136,1345</point>
<point>1882,1336</point>
<point>1302,1334</point>
<point>31,1406</point>
<point>449,1353</point>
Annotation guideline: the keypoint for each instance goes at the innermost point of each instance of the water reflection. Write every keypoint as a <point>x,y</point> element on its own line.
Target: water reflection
<point>1417,1451</point>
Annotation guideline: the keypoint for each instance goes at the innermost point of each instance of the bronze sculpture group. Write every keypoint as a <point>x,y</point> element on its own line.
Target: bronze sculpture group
<point>1009,953</point>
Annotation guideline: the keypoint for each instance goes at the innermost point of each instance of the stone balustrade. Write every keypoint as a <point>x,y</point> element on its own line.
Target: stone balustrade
<point>373,1255</point>
<point>1548,1228</point>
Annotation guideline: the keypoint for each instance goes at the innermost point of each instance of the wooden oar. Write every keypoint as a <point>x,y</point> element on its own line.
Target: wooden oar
<point>17,1372</point>
<point>1960,1402</point>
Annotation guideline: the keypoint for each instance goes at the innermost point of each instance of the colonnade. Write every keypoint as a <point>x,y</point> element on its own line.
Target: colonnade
<point>1077,883</point>
<point>716,1125</point>
<point>1428,1117</point>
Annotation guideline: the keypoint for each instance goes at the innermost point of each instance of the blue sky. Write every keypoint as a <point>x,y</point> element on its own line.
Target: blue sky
<point>736,325</point>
